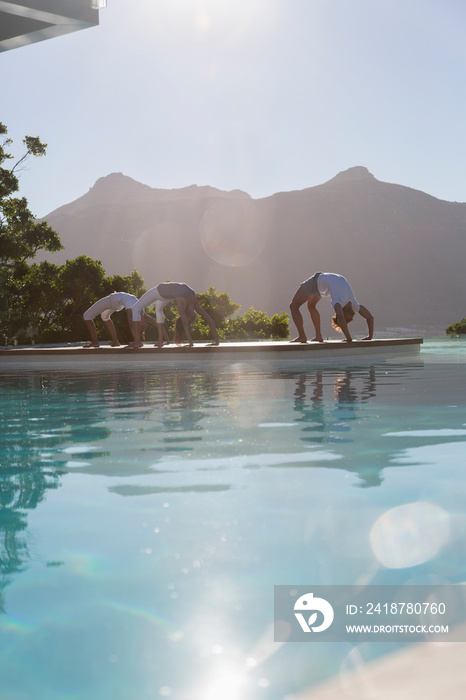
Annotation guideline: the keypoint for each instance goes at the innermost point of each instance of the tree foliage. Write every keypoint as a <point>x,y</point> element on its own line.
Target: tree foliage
<point>49,300</point>
<point>20,235</point>
<point>251,325</point>
<point>458,328</point>
<point>256,324</point>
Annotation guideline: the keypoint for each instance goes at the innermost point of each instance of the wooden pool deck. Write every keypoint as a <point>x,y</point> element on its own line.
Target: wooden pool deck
<point>331,351</point>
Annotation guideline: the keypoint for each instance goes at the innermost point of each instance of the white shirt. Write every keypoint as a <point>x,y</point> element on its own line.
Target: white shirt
<point>337,288</point>
<point>120,300</point>
<point>106,306</point>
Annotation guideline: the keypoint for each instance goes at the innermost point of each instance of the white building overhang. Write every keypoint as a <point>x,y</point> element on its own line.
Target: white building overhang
<point>24,22</point>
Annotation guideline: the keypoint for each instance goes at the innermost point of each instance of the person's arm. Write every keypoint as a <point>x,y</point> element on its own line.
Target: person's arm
<point>342,321</point>
<point>147,318</point>
<point>203,314</point>
<point>366,314</point>
<point>136,326</point>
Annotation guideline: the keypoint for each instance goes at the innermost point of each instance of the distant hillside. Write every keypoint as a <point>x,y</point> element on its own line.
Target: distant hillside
<point>403,251</point>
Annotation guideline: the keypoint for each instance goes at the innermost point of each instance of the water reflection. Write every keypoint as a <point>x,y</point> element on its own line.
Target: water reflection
<point>169,430</point>
<point>19,492</point>
<point>327,402</point>
<point>51,423</point>
<point>202,490</point>
<point>321,415</point>
<point>24,473</point>
<point>340,408</point>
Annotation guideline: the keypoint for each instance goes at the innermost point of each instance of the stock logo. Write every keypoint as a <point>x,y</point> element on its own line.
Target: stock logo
<point>312,605</point>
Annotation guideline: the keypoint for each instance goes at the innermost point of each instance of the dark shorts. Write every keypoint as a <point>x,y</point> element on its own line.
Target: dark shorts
<point>309,287</point>
<point>171,290</point>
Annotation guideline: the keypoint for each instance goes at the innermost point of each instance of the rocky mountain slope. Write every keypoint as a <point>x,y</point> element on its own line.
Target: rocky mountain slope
<point>402,250</point>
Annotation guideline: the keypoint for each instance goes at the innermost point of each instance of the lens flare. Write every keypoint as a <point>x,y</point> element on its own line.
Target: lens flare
<point>409,535</point>
<point>233,236</point>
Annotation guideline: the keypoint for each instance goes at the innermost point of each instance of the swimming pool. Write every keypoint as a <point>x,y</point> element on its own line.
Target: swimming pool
<point>147,515</point>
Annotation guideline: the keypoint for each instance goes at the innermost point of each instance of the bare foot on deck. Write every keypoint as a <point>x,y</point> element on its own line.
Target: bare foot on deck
<point>115,345</point>
<point>299,339</point>
<point>133,346</point>
<point>91,345</point>
<point>317,340</point>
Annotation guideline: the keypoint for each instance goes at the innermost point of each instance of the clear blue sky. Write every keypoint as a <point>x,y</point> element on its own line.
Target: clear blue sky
<point>259,95</point>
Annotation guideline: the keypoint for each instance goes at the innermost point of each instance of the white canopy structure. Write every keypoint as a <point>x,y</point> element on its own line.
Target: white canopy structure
<point>24,22</point>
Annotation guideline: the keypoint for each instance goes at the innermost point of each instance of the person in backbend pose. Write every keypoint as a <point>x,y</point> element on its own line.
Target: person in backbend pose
<point>105,307</point>
<point>187,305</point>
<point>345,305</point>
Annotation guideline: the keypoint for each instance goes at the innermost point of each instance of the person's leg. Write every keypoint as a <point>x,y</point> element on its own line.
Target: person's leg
<point>129,316</point>
<point>100,307</point>
<point>137,311</point>
<point>298,300</point>
<point>136,330</point>
<point>93,333</point>
<point>315,318</point>
<point>147,299</point>
<point>162,333</point>
<point>111,329</point>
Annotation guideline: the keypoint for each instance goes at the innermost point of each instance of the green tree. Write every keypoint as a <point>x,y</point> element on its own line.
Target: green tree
<point>35,303</point>
<point>133,284</point>
<point>458,328</point>
<point>251,325</point>
<point>256,324</point>
<point>218,305</point>
<point>48,300</point>
<point>279,326</point>
<point>21,236</point>
<point>78,284</point>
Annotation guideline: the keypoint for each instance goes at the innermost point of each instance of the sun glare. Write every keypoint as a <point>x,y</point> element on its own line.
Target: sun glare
<point>227,683</point>
<point>219,23</point>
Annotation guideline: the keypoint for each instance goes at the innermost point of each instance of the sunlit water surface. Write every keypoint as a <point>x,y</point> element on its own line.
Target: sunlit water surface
<point>147,515</point>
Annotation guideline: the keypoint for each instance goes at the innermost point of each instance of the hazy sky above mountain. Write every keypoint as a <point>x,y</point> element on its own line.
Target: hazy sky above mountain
<point>259,95</point>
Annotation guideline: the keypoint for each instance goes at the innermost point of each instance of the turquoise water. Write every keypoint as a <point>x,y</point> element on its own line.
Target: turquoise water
<point>146,517</point>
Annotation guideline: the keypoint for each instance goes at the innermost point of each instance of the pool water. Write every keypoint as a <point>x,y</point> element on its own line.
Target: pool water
<point>145,517</point>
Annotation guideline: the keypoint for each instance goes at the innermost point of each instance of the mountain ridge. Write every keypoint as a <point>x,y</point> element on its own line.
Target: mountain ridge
<point>401,249</point>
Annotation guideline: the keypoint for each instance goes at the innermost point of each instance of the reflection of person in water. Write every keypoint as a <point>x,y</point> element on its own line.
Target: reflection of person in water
<point>328,284</point>
<point>328,402</point>
<point>117,301</point>
<point>186,303</point>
